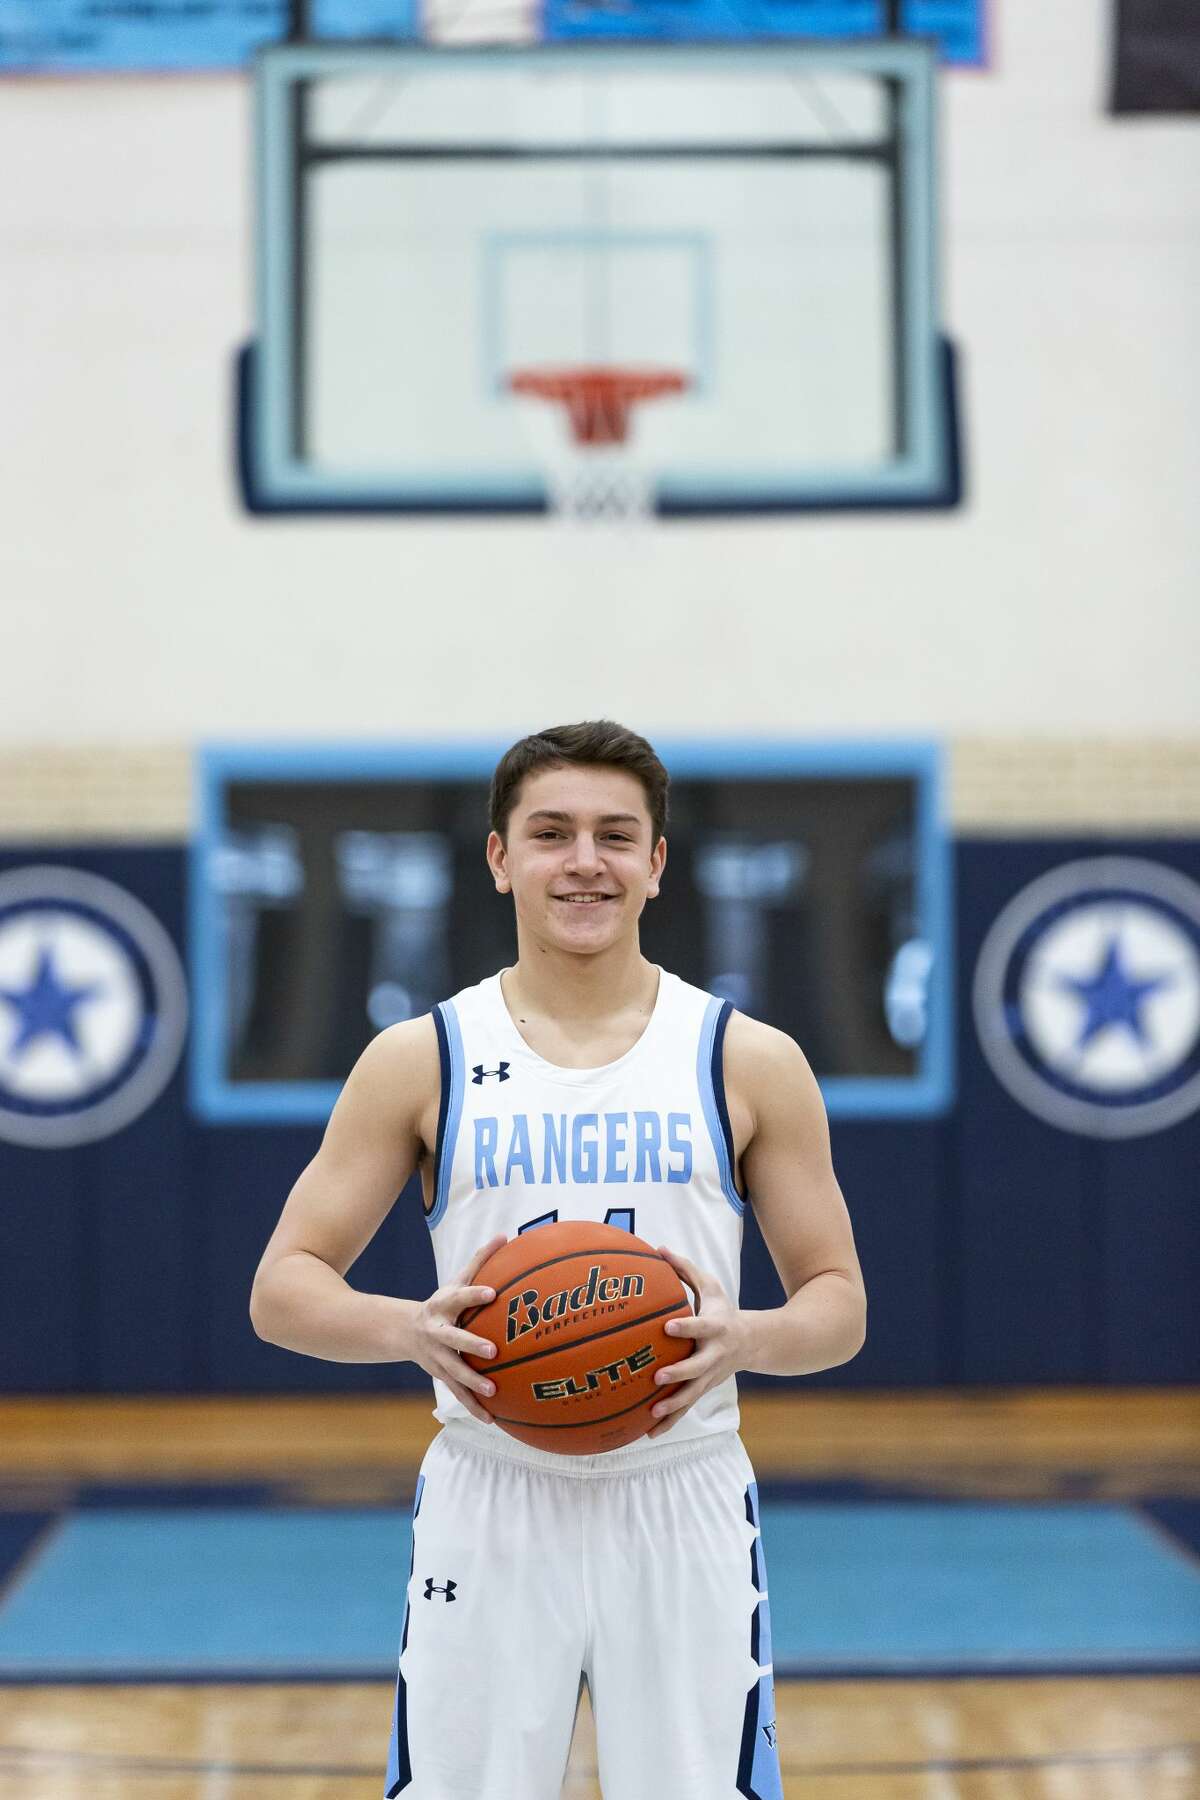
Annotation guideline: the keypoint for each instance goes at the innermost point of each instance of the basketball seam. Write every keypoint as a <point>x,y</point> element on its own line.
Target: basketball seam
<point>567,1256</point>
<point>577,1343</point>
<point>573,1424</point>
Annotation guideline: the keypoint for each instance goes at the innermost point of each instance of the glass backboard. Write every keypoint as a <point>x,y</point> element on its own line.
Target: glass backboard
<point>755,221</point>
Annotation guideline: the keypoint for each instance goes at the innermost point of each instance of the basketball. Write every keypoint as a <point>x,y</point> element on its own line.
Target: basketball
<point>578,1324</point>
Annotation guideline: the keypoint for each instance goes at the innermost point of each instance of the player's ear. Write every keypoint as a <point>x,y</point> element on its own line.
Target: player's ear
<point>658,862</point>
<point>497,861</point>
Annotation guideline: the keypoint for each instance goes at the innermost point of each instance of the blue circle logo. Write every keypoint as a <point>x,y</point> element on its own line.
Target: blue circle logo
<point>93,1008</point>
<point>1087,997</point>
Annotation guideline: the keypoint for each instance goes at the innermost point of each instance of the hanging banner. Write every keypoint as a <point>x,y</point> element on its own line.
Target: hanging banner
<point>959,27</point>
<point>164,36</point>
<point>1157,50</point>
<point>175,36</point>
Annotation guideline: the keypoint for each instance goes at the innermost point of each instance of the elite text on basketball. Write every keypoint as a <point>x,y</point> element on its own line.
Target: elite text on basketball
<point>615,1372</point>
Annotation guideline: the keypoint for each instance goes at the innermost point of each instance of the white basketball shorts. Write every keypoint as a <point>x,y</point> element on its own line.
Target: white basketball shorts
<point>531,1570</point>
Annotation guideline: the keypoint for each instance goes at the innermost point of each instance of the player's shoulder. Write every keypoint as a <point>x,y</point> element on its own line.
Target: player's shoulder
<point>762,1048</point>
<point>768,1068</point>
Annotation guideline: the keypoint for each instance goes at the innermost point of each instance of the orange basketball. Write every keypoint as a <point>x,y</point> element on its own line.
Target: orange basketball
<point>578,1327</point>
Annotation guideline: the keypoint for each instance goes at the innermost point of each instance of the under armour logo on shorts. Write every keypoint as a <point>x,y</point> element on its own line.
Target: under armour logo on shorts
<point>431,1590</point>
<point>481,1074</point>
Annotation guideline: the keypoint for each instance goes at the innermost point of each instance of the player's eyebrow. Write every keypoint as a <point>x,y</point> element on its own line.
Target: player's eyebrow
<point>566,818</point>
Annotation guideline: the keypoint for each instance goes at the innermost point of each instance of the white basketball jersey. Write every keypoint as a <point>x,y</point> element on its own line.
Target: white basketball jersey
<point>643,1143</point>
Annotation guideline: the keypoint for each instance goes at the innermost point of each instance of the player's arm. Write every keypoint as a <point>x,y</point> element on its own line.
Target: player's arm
<point>372,1145</point>
<point>787,1167</point>
<point>788,1170</point>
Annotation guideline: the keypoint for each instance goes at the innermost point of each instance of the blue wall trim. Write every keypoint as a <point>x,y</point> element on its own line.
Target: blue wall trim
<point>927,1094</point>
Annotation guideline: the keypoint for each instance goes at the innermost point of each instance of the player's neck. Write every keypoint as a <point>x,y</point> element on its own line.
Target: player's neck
<point>548,983</point>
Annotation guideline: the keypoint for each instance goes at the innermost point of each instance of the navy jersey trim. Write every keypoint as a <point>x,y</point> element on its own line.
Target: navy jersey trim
<point>399,1769</point>
<point>718,1077</point>
<point>710,1076</point>
<point>450,1055</point>
<point>443,1044</point>
<point>758,1775</point>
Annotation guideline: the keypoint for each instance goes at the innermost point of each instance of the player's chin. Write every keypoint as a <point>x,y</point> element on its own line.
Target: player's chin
<point>588,924</point>
<point>591,935</point>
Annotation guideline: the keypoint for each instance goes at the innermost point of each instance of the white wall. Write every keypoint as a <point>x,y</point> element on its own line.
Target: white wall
<point>140,606</point>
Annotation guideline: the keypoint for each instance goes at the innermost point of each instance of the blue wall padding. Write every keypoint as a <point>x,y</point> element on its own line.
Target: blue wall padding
<point>997,1249</point>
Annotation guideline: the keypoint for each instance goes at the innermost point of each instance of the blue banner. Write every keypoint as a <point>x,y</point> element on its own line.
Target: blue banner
<point>49,36</point>
<point>184,35</point>
<point>53,36</point>
<point>958,25</point>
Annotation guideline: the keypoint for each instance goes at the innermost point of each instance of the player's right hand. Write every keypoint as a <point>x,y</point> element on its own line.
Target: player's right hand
<point>439,1343</point>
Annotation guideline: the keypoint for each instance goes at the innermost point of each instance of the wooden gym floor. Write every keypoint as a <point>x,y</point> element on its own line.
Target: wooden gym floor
<point>975,1737</point>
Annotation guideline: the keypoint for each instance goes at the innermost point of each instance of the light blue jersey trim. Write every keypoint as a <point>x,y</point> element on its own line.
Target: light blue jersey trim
<point>457,1077</point>
<point>704,1080</point>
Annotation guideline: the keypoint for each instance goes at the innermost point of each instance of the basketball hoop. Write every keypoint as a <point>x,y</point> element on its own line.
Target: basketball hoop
<point>592,475</point>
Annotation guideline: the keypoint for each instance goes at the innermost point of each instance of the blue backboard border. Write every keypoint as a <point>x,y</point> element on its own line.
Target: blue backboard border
<point>259,501</point>
<point>219,1101</point>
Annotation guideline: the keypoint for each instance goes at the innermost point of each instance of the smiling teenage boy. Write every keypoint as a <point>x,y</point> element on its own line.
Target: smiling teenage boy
<point>639,1570</point>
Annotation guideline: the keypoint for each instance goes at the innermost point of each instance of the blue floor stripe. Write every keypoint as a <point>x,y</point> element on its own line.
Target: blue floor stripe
<point>861,1588</point>
<point>890,1586</point>
<point>246,1590</point>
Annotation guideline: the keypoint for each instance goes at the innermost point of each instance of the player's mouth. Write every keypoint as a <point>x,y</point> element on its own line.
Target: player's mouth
<point>583,899</point>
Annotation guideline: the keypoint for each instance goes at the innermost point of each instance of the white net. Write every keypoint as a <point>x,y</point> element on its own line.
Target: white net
<point>590,486</point>
<point>587,484</point>
<point>580,426</point>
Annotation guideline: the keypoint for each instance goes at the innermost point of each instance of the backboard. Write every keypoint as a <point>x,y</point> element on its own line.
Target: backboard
<point>756,219</point>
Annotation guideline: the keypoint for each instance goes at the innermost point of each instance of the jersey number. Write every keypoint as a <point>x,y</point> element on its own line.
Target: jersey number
<point>620,1216</point>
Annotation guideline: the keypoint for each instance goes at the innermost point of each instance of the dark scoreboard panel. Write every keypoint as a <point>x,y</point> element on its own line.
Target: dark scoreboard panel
<point>164,35</point>
<point>792,902</point>
<point>327,907</point>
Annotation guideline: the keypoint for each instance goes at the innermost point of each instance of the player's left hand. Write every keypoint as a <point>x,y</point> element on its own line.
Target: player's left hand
<point>719,1329</point>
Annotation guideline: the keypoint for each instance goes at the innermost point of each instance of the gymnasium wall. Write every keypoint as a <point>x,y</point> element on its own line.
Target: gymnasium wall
<point>1056,602</point>
<point>1046,634</point>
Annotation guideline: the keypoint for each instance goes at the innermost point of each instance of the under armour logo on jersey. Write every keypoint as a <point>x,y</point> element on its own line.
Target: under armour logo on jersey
<point>481,1074</point>
<point>768,1732</point>
<point>431,1589</point>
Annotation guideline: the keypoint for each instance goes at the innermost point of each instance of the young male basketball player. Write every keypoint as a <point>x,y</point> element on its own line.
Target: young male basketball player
<point>641,1569</point>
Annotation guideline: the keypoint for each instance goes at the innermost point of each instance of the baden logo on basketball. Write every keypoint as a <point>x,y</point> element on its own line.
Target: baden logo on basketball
<point>528,1309</point>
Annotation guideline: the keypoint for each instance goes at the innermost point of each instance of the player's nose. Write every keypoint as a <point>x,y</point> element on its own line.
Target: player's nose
<point>584,854</point>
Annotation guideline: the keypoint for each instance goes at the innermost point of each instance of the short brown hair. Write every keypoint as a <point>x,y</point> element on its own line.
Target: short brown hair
<point>594,742</point>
